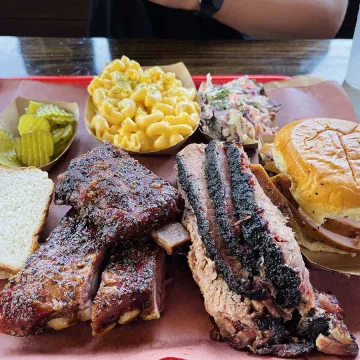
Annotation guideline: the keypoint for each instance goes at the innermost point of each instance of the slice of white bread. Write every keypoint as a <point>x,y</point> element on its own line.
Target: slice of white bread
<point>25,197</point>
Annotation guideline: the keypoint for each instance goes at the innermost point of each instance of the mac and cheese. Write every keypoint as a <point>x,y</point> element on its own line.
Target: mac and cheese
<point>142,110</point>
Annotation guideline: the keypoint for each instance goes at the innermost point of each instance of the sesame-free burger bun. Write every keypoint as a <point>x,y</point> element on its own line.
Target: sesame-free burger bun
<point>322,159</point>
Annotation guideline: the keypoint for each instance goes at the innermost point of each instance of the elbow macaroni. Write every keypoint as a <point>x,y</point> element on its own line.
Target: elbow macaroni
<point>142,110</point>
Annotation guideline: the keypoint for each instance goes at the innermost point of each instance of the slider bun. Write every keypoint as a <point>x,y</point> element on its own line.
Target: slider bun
<point>322,158</point>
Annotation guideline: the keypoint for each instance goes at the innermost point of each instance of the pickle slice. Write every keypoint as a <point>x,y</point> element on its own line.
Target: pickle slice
<point>8,153</point>
<point>4,161</point>
<point>54,114</point>
<point>30,123</point>
<point>53,126</point>
<point>58,120</point>
<point>63,134</point>
<point>59,148</point>
<point>33,107</point>
<point>35,149</point>
<point>57,134</point>
<point>67,134</point>
<point>5,135</point>
<point>61,137</point>
<point>7,145</point>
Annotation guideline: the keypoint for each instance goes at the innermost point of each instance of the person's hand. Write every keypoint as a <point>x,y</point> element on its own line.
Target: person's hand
<point>193,5</point>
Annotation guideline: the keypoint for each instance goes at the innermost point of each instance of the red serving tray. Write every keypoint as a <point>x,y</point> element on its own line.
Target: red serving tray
<point>198,79</point>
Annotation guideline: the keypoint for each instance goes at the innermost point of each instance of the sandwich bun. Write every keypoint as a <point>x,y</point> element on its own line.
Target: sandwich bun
<point>322,158</point>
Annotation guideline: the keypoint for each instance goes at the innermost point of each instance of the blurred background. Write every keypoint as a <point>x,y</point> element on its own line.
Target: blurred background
<point>69,18</point>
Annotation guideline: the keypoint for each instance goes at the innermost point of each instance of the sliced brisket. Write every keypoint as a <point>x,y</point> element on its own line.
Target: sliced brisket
<point>117,194</point>
<point>244,323</point>
<point>132,286</point>
<point>239,241</point>
<point>215,228</point>
<point>263,228</point>
<point>56,285</point>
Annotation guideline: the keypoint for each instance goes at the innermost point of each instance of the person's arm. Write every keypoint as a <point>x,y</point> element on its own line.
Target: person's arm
<point>279,19</point>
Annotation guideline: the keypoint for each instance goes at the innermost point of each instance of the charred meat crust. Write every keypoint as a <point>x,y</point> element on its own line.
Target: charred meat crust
<point>240,285</point>
<point>56,281</point>
<point>313,325</point>
<point>278,340</point>
<point>273,326</point>
<point>217,194</point>
<point>216,190</point>
<point>236,319</point>
<point>253,230</point>
<point>287,350</point>
<point>128,282</point>
<point>255,234</point>
<point>203,224</point>
<point>307,319</point>
<point>204,227</point>
<point>117,194</point>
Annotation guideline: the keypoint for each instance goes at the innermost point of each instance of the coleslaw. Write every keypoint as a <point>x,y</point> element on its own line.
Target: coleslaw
<point>237,111</point>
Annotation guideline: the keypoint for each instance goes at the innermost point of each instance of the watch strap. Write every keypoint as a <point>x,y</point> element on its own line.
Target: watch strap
<point>209,7</point>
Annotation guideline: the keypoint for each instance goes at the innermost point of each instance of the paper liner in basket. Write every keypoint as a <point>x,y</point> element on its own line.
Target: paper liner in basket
<point>183,74</point>
<point>9,120</point>
<point>341,263</point>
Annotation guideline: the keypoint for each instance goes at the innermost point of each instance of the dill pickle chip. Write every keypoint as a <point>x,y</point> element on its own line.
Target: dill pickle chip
<point>59,148</point>
<point>68,133</point>
<point>5,135</point>
<point>33,107</point>
<point>62,134</point>
<point>58,120</point>
<point>7,146</point>
<point>30,123</point>
<point>55,114</point>
<point>8,152</point>
<point>35,149</point>
<point>4,161</point>
<point>57,134</point>
<point>53,126</point>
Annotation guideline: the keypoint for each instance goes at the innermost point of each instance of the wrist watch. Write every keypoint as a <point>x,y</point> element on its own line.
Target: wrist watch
<point>209,7</point>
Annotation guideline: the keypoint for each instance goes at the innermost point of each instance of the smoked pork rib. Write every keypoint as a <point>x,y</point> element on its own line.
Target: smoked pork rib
<point>117,194</point>
<point>227,210</point>
<point>56,286</point>
<point>132,286</point>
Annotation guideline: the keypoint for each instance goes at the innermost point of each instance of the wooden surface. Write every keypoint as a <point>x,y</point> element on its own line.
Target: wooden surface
<point>64,56</point>
<point>44,17</point>
<point>70,18</point>
<point>48,56</point>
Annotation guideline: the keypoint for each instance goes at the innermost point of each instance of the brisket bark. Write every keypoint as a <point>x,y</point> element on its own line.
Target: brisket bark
<point>117,194</point>
<point>227,210</point>
<point>215,240</point>
<point>244,323</point>
<point>253,223</point>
